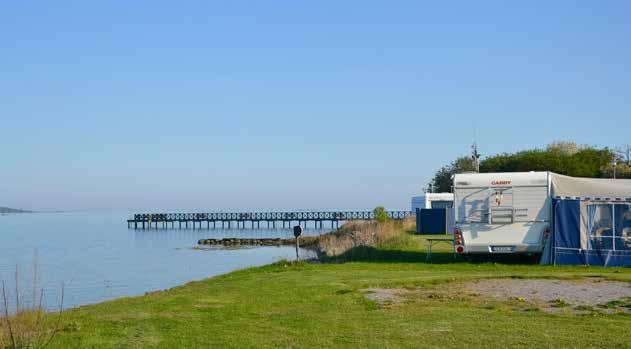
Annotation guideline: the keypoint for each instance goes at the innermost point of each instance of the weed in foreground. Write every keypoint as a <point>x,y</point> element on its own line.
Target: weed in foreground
<point>27,325</point>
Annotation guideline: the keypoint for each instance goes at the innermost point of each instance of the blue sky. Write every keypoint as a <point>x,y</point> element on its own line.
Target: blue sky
<point>287,104</point>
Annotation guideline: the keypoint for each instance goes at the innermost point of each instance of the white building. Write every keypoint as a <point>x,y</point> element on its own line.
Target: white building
<point>432,200</point>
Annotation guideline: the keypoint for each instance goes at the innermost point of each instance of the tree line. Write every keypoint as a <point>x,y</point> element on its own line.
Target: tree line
<point>565,158</point>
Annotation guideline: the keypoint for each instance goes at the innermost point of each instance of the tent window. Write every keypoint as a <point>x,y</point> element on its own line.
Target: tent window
<point>601,226</point>
<point>622,225</point>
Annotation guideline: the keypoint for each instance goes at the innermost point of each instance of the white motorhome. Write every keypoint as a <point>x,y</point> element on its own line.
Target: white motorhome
<point>502,212</point>
<point>432,200</point>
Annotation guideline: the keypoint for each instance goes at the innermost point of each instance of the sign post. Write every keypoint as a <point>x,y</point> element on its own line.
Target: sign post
<point>297,233</point>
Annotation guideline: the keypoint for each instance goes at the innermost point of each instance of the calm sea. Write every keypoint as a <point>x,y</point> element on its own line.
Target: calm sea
<point>97,258</point>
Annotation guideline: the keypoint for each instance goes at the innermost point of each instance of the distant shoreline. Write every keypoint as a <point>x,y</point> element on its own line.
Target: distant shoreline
<point>9,210</point>
<point>6,210</point>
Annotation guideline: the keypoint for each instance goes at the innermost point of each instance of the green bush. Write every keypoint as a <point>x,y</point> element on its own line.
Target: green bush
<point>565,158</point>
<point>586,162</point>
<point>381,215</point>
<point>441,182</point>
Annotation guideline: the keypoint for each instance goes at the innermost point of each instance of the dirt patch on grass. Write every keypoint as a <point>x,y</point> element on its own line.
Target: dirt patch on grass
<point>385,296</point>
<point>579,295</point>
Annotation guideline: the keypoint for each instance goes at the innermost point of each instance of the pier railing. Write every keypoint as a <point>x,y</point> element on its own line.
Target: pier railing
<point>149,220</point>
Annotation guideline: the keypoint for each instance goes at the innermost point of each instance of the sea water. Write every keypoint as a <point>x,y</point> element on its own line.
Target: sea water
<point>94,257</point>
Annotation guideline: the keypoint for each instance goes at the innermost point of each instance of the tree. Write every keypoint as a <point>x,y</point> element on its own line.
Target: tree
<point>585,162</point>
<point>561,157</point>
<point>381,215</point>
<point>563,147</point>
<point>623,163</point>
<point>622,171</point>
<point>625,153</point>
<point>441,183</point>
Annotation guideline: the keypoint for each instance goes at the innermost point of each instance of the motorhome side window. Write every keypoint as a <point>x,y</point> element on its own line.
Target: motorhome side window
<point>502,205</point>
<point>473,206</point>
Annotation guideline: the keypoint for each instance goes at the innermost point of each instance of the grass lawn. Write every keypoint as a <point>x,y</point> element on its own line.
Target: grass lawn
<point>321,305</point>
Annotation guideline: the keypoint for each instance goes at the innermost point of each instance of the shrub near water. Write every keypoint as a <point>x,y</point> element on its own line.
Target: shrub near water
<point>381,215</point>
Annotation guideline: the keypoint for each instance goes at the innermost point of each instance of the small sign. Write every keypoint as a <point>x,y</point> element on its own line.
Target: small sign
<point>501,182</point>
<point>297,231</point>
<point>503,249</point>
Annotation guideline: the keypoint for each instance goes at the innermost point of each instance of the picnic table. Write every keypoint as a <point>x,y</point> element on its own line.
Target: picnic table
<point>432,241</point>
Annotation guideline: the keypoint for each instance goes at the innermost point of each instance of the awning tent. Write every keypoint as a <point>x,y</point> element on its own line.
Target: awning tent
<point>591,222</point>
<point>573,187</point>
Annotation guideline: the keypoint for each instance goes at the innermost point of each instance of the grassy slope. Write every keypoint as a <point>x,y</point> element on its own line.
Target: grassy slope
<point>308,305</point>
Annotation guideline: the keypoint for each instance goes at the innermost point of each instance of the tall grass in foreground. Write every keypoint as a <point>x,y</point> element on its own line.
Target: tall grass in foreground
<point>359,233</point>
<point>25,323</point>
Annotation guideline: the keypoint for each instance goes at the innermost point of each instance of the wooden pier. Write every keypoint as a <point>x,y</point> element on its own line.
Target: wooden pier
<point>240,220</point>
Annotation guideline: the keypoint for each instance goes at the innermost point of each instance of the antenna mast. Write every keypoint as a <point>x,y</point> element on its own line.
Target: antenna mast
<point>475,156</point>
